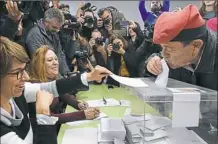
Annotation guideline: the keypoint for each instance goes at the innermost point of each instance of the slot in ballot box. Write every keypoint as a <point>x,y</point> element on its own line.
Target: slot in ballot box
<point>187,106</point>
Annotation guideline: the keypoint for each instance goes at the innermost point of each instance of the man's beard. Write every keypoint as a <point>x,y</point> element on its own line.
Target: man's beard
<point>155,9</point>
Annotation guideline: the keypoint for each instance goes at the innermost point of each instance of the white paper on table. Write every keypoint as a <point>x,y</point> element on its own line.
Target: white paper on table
<point>80,136</point>
<point>132,82</point>
<point>77,123</point>
<point>185,89</point>
<point>101,103</point>
<point>101,115</point>
<point>128,111</point>
<point>162,78</point>
<point>157,135</point>
<point>186,109</point>
<point>130,119</point>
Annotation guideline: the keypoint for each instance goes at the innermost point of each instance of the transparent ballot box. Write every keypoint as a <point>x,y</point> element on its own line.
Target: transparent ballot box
<point>181,113</point>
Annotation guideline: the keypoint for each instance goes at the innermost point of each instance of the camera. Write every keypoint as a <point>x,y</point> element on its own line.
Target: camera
<point>81,55</point>
<point>100,40</point>
<point>89,20</point>
<point>124,25</point>
<point>71,25</point>
<point>86,6</point>
<point>107,21</point>
<point>116,46</point>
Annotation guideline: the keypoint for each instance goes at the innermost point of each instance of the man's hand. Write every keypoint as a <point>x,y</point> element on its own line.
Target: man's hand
<point>92,113</point>
<point>154,66</point>
<point>100,23</point>
<point>13,12</point>
<point>43,101</point>
<point>92,42</point>
<point>81,20</point>
<point>109,28</point>
<point>98,73</point>
<point>83,105</point>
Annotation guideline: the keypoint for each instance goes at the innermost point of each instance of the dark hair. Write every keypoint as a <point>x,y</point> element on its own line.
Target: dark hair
<point>117,36</point>
<point>203,11</point>
<point>102,10</point>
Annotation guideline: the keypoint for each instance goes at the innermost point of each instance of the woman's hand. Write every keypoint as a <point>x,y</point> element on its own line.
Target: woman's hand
<point>43,102</point>
<point>109,49</point>
<point>92,113</point>
<point>83,105</point>
<point>121,51</point>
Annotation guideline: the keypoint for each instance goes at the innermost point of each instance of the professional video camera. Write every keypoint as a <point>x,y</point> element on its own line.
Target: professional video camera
<point>88,7</point>
<point>116,46</point>
<point>100,40</point>
<point>71,25</point>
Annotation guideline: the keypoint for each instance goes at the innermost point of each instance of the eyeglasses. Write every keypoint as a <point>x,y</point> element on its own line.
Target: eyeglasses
<point>53,27</point>
<point>19,74</point>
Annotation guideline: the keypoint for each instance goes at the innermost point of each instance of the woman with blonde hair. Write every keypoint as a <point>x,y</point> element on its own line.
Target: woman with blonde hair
<point>44,67</point>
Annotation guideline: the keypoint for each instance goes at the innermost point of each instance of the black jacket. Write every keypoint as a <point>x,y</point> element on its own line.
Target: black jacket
<point>205,74</point>
<point>8,27</point>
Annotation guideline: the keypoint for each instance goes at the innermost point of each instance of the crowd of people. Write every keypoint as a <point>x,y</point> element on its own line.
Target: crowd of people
<point>48,54</point>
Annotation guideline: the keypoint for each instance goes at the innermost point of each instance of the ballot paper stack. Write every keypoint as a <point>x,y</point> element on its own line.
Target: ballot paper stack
<point>146,129</point>
<point>111,130</point>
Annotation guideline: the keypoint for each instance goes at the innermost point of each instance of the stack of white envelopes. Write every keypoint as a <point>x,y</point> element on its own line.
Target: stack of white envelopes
<point>111,130</point>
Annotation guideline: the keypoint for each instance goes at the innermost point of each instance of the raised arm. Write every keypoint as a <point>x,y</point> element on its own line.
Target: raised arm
<point>142,10</point>
<point>166,6</point>
<point>60,87</point>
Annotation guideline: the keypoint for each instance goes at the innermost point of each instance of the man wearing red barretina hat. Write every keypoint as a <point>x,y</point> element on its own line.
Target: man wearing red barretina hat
<point>187,43</point>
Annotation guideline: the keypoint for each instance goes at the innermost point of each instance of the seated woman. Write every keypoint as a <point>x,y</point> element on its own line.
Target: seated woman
<point>44,68</point>
<point>16,93</point>
<point>121,60</point>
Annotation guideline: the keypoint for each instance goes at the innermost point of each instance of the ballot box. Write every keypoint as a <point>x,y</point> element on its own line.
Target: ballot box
<point>185,114</point>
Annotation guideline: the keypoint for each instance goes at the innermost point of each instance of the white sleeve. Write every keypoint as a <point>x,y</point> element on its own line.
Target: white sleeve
<point>31,89</point>
<point>13,138</point>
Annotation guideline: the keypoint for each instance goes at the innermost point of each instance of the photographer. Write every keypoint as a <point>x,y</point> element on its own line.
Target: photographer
<point>136,36</point>
<point>97,43</point>
<point>83,55</point>
<point>87,19</point>
<point>120,59</point>
<point>109,21</point>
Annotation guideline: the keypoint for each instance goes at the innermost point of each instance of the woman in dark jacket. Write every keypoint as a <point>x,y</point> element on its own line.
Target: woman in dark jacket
<point>121,59</point>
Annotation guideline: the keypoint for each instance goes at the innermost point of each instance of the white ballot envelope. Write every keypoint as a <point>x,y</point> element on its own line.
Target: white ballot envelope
<point>132,82</point>
<point>162,78</point>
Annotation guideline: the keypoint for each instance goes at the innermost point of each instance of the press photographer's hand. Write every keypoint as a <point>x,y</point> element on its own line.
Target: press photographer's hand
<point>13,12</point>
<point>100,23</point>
